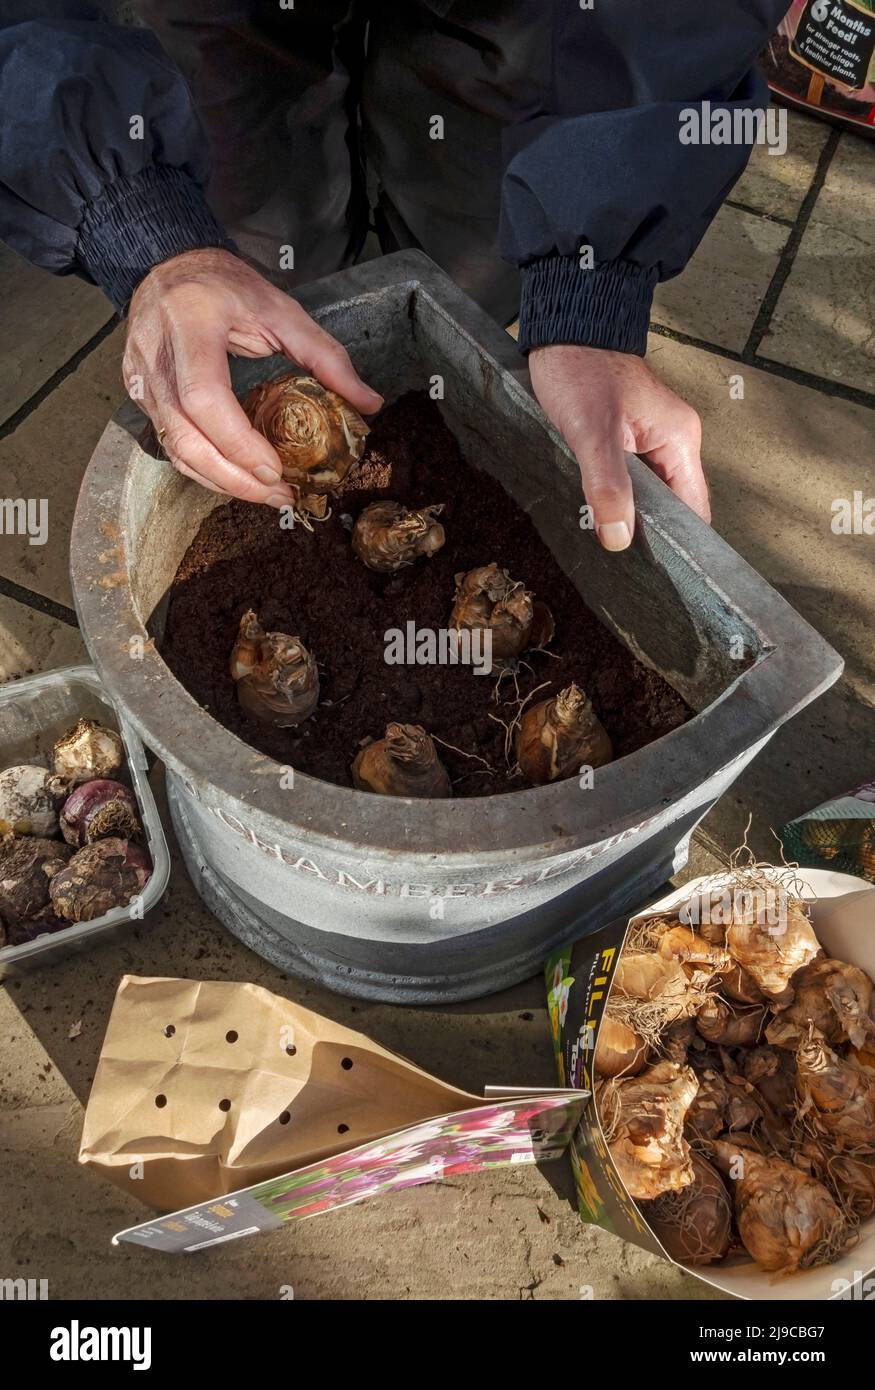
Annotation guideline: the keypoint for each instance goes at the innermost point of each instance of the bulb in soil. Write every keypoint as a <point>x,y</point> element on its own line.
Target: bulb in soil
<point>403,763</point>
<point>29,799</point>
<point>86,751</point>
<point>98,878</point>
<point>488,598</point>
<point>98,810</point>
<point>316,433</point>
<point>387,536</point>
<point>277,678</point>
<point>559,736</point>
<point>27,862</point>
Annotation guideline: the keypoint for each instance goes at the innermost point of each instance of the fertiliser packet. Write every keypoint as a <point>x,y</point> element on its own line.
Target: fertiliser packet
<point>822,60</point>
<point>580,979</point>
<point>238,1111</point>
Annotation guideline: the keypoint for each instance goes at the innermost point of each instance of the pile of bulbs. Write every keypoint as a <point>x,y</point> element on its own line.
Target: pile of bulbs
<point>68,836</point>
<point>735,1080</point>
<point>319,438</point>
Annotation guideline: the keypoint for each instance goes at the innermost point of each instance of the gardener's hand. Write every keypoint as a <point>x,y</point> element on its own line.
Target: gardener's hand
<point>185,317</point>
<point>606,402</point>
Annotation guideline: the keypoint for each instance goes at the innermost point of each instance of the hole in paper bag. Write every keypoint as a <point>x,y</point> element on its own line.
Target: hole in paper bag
<point>342,1129</point>
<point>346,1063</point>
<point>169,1031</point>
<point>161,1101</point>
<point>285,1117</point>
<point>231,1036</point>
<point>224,1105</point>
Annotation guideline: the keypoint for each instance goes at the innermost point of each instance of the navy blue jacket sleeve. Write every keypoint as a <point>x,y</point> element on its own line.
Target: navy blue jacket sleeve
<point>604,166</point>
<point>102,157</point>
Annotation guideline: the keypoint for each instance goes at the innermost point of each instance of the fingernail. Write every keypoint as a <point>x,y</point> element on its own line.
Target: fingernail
<point>615,535</point>
<point>278,499</point>
<point>265,474</point>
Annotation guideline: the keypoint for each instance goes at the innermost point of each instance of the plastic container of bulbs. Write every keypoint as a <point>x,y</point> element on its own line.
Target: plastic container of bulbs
<point>34,713</point>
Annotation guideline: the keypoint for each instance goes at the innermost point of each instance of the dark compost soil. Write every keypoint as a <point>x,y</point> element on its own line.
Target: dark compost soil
<point>311,585</point>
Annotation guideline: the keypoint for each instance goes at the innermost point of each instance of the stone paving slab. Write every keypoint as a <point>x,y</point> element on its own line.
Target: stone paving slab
<point>717,297</point>
<point>776,461</point>
<point>48,318</point>
<point>777,184</point>
<point>824,321</point>
<point>31,641</point>
<point>506,1234</point>
<point>46,456</point>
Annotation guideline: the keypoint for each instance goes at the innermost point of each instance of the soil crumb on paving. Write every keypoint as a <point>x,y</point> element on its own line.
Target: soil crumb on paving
<point>311,585</point>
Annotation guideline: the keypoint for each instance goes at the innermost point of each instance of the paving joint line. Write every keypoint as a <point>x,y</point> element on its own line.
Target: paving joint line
<point>31,599</point>
<point>35,401</point>
<point>758,212</point>
<point>854,394</point>
<point>787,257</point>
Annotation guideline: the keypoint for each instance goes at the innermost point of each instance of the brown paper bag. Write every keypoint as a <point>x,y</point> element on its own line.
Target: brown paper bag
<point>205,1087</point>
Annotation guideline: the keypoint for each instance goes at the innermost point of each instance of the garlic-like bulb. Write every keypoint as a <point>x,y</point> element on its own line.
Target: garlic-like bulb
<point>488,598</point>
<point>618,1051</point>
<point>27,862</point>
<point>98,878</point>
<point>277,678</point>
<point>316,433</point>
<point>88,750</point>
<point>643,1120</point>
<point>29,800</point>
<point>387,536</point>
<point>559,736</point>
<point>786,1220</point>
<point>403,763</point>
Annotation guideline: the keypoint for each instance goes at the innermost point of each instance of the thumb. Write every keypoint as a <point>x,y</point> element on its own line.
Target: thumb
<point>607,486</point>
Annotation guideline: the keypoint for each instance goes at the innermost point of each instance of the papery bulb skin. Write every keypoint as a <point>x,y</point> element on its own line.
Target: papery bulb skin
<point>402,763</point>
<point>317,435</point>
<point>786,1219</point>
<point>387,536</point>
<point>100,809</point>
<point>559,736</point>
<point>29,800</point>
<point>487,597</point>
<point>98,878</point>
<point>277,678</point>
<point>27,863</point>
<point>87,751</point>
